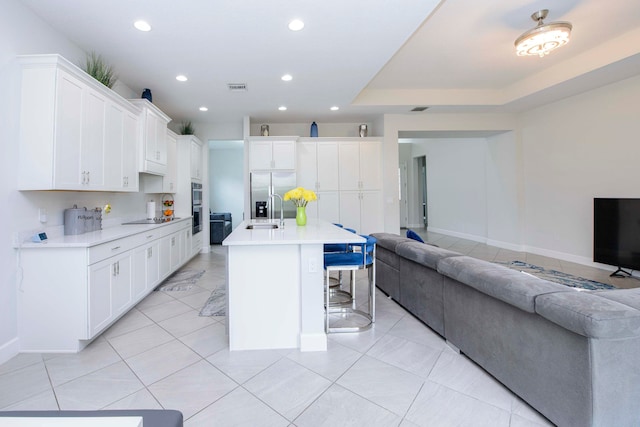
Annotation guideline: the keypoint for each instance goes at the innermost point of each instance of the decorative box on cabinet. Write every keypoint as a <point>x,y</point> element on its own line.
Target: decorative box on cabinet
<point>272,153</point>
<point>75,133</point>
<point>153,137</point>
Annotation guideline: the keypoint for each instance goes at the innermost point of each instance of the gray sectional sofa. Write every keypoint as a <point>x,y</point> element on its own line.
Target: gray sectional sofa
<point>572,355</point>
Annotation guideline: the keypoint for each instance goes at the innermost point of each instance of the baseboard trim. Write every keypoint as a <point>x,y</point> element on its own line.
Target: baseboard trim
<point>479,239</point>
<point>9,349</point>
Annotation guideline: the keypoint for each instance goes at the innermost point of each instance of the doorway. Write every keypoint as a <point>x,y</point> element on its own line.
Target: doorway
<point>421,185</point>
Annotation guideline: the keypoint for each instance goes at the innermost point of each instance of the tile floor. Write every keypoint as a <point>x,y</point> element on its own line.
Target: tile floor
<point>163,355</point>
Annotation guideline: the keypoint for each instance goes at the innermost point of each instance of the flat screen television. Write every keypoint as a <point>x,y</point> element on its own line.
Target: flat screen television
<point>616,233</point>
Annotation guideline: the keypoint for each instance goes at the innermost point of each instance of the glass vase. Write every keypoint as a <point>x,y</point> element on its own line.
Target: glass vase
<point>301,215</point>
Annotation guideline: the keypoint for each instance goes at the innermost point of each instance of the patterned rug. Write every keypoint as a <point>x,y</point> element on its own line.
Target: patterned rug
<point>557,276</point>
<point>216,304</point>
<point>182,280</point>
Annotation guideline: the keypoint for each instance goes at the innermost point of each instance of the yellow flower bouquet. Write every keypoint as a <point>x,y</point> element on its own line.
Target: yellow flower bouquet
<point>300,196</point>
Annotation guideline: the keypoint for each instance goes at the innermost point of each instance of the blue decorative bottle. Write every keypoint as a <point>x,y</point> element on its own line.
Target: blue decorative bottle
<point>314,130</point>
<point>146,94</point>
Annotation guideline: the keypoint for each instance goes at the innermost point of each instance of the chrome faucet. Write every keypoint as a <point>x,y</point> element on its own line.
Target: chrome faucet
<point>272,196</point>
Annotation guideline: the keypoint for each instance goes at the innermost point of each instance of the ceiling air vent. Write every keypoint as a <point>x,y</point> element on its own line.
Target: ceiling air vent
<point>419,109</point>
<point>237,87</point>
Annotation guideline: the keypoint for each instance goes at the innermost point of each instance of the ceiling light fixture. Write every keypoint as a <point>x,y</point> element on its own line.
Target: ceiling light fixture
<point>142,25</point>
<point>287,77</point>
<point>335,108</point>
<point>181,78</point>
<point>203,108</point>
<point>544,37</point>
<point>296,25</point>
<point>282,108</point>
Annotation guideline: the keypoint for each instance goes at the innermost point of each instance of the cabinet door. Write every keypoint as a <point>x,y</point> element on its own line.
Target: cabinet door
<point>371,213</point>
<point>164,257</point>
<point>307,171</point>
<point>121,285</point>
<point>92,148</point>
<point>68,133</point>
<point>260,155</point>
<point>328,173</point>
<point>349,165</point>
<point>161,140</point>
<point>100,295</point>
<point>350,210</point>
<point>169,180</point>
<point>329,206</point>
<point>186,245</point>
<point>284,155</point>
<point>370,165</point>
<point>175,250</point>
<point>139,277</point>
<point>114,132</point>
<point>153,264</point>
<point>130,152</point>
<point>151,126</point>
<point>196,161</point>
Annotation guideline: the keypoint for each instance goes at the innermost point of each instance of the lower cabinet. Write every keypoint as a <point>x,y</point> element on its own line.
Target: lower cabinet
<point>71,294</point>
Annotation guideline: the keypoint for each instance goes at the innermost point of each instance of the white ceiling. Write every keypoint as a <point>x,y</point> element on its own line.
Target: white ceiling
<point>367,57</point>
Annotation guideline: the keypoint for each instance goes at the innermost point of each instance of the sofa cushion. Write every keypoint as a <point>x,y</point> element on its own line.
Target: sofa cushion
<point>630,297</point>
<point>507,285</point>
<point>426,255</point>
<point>389,240</point>
<point>589,314</point>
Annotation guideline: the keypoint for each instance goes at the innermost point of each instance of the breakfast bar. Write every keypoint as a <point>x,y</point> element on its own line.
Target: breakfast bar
<point>275,283</point>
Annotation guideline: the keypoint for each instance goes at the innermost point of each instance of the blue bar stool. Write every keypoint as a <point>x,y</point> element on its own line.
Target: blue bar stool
<point>362,256</point>
<point>338,296</point>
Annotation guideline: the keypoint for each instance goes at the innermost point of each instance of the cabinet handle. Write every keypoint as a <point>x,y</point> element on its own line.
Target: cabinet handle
<point>118,268</point>
<point>149,236</point>
<point>115,268</point>
<point>88,177</point>
<point>173,241</point>
<point>116,248</point>
<point>149,252</point>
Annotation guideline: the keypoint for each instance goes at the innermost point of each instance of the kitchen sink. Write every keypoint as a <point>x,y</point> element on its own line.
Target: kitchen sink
<point>262,226</point>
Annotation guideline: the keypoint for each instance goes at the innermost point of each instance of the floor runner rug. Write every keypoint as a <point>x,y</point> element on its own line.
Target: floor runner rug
<point>216,304</point>
<point>182,280</point>
<point>557,276</point>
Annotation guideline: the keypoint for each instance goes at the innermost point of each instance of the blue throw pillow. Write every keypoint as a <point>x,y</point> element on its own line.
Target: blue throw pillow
<point>413,235</point>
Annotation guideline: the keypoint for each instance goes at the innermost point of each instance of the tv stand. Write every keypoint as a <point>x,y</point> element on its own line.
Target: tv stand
<point>619,273</point>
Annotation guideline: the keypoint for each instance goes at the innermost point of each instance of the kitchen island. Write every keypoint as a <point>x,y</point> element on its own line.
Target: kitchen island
<point>275,296</point>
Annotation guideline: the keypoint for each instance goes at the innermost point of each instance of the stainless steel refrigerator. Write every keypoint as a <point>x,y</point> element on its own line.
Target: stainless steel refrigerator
<point>280,182</point>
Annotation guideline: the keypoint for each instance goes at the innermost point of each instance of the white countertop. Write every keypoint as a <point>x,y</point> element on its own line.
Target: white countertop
<point>316,231</point>
<point>98,237</point>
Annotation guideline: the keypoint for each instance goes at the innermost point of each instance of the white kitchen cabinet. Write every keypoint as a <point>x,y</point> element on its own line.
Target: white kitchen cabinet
<point>71,293</point>
<point>169,181</point>
<point>362,211</point>
<point>70,137</point>
<point>153,137</point>
<point>120,153</point>
<point>196,159</point>
<point>175,253</point>
<point>268,154</point>
<point>109,291</point>
<point>360,165</point>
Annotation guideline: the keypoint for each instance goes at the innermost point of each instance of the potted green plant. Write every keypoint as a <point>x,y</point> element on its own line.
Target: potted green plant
<point>186,128</point>
<point>97,68</point>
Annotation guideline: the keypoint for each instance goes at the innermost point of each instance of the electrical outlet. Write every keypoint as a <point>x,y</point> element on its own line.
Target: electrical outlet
<point>42,215</point>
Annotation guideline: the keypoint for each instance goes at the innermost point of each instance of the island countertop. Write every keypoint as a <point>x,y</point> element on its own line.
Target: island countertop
<point>316,231</point>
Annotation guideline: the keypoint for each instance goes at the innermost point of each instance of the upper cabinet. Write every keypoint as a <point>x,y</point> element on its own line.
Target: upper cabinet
<point>196,158</point>
<point>75,133</point>
<point>270,154</point>
<point>153,138</point>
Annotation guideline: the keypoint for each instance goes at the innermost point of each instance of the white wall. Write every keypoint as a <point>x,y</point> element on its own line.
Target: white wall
<point>226,178</point>
<point>574,150</point>
<point>456,187</point>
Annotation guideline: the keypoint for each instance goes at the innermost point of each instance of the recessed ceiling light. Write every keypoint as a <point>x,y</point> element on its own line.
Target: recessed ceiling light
<point>181,78</point>
<point>142,26</point>
<point>287,77</point>
<point>335,108</point>
<point>282,108</point>
<point>204,108</point>
<point>296,25</point>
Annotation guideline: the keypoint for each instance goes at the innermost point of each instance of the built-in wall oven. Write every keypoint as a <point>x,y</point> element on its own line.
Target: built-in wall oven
<point>196,207</point>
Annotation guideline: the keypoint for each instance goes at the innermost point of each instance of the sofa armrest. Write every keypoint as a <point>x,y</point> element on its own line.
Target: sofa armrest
<point>590,315</point>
